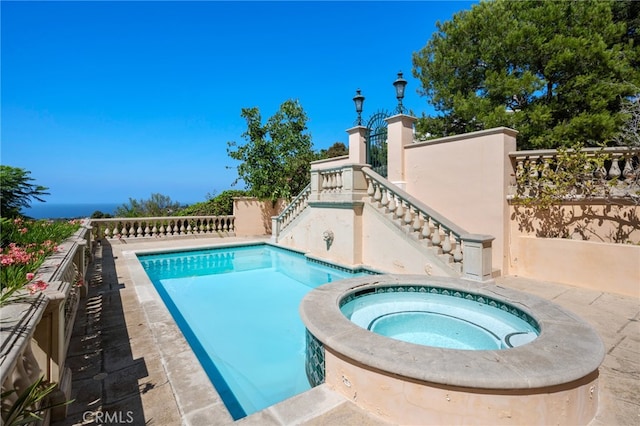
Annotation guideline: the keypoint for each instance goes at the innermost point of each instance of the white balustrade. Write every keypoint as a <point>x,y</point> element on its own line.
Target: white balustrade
<point>140,227</point>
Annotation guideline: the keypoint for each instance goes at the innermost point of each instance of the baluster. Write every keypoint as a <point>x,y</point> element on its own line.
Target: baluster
<point>107,232</point>
<point>147,230</point>
<point>370,189</point>
<point>628,172</point>
<point>426,228</point>
<point>393,203</point>
<point>600,172</point>
<point>377,196</point>
<point>189,228</point>
<point>416,222</point>
<point>457,251</point>
<point>614,170</point>
<point>154,230</point>
<point>385,198</point>
<point>139,230</point>
<point>399,208</point>
<point>176,228</point>
<point>232,226</point>
<point>339,181</point>
<point>163,230</point>
<point>545,166</point>
<point>435,239</point>
<point>519,168</point>
<point>225,224</point>
<point>446,243</point>
<point>532,169</point>
<point>132,229</point>
<point>408,218</point>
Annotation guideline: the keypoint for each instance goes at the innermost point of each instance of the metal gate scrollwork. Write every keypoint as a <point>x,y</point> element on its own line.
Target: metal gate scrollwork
<point>376,142</point>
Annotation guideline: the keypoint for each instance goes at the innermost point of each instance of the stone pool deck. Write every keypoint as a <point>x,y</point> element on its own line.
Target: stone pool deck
<point>131,365</point>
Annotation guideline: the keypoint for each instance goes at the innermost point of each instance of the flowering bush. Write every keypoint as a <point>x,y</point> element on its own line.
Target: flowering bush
<point>25,245</point>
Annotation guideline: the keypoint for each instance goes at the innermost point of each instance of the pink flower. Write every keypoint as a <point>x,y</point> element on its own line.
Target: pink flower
<point>37,286</point>
<point>24,230</point>
<point>30,276</point>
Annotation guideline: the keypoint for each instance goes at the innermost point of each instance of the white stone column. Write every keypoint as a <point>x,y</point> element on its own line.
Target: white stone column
<point>399,134</point>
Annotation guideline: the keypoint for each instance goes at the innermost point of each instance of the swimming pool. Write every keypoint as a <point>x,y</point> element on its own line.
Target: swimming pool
<point>238,309</point>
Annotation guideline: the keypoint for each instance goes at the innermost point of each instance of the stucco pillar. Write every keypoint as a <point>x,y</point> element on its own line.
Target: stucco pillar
<point>477,264</point>
<point>357,145</point>
<point>399,134</point>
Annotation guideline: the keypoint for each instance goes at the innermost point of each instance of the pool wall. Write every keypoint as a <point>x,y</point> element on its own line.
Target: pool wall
<point>552,380</point>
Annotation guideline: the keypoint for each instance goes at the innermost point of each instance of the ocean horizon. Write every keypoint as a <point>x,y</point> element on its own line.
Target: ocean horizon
<point>68,210</point>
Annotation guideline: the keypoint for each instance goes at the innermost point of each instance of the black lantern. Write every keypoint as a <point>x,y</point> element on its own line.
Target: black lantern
<point>400,84</point>
<point>358,99</point>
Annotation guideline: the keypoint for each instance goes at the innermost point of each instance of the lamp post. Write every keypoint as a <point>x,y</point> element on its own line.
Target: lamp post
<point>358,99</point>
<point>400,84</point>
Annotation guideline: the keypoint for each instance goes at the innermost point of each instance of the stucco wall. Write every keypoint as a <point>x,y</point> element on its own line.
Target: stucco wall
<point>603,222</point>
<point>614,268</point>
<point>344,221</point>
<point>384,246</point>
<point>466,179</point>
<point>253,216</point>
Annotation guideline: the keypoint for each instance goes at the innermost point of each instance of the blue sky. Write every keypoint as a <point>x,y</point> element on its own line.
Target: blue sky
<point>106,101</point>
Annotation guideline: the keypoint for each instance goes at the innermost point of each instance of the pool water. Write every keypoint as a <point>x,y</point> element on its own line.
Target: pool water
<point>440,320</point>
<point>238,309</point>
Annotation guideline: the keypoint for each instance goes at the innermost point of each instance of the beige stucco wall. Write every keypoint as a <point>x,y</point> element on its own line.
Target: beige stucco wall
<point>598,222</point>
<point>344,221</point>
<point>610,267</point>
<point>410,402</point>
<point>465,178</point>
<point>253,216</point>
<point>598,250</point>
<point>385,247</point>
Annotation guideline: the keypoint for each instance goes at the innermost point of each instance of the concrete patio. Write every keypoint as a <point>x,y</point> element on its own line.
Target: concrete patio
<point>131,365</point>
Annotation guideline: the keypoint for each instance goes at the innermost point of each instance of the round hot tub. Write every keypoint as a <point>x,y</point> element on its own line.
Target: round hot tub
<point>429,350</point>
<point>433,316</point>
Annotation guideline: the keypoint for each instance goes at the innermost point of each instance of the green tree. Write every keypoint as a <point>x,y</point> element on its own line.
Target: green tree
<point>18,191</point>
<point>219,205</point>
<point>338,149</point>
<point>275,159</point>
<point>157,205</point>
<point>556,71</point>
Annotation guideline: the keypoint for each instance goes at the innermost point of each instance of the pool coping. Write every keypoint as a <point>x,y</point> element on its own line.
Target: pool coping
<point>567,350</point>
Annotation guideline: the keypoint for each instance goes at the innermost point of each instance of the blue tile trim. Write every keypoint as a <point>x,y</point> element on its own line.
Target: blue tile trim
<point>314,362</point>
<point>445,292</point>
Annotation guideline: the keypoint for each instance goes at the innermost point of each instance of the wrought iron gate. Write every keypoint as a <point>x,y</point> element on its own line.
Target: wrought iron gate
<point>377,142</point>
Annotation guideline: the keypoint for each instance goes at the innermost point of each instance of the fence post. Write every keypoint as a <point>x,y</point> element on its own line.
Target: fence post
<point>357,145</point>
<point>399,134</point>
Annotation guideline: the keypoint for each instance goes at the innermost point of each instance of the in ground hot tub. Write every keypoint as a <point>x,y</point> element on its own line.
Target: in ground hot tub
<point>427,350</point>
<point>433,316</point>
